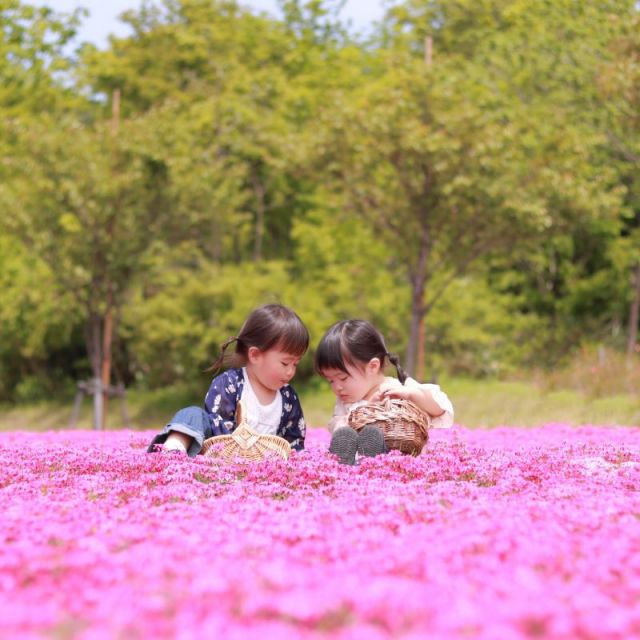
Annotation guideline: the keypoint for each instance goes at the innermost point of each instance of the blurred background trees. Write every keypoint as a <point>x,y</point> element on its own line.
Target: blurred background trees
<point>467,178</point>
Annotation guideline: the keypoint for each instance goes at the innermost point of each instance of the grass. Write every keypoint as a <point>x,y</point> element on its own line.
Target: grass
<point>489,403</point>
<point>478,403</point>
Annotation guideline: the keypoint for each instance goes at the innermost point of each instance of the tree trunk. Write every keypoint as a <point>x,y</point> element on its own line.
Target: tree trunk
<point>104,377</point>
<point>107,337</point>
<point>94,349</point>
<point>634,311</point>
<point>418,285</point>
<point>259,191</point>
<point>94,342</point>
<point>413,340</point>
<point>419,375</point>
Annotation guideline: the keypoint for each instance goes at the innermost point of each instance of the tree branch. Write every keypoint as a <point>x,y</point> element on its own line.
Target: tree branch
<point>626,153</point>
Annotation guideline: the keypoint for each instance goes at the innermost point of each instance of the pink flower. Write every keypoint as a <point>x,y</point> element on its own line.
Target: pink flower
<point>503,533</point>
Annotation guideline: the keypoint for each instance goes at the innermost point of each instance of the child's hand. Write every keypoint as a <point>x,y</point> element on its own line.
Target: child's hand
<point>336,422</point>
<point>392,390</point>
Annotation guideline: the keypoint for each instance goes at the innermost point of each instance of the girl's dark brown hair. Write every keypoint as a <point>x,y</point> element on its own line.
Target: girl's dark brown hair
<point>353,342</point>
<point>267,327</point>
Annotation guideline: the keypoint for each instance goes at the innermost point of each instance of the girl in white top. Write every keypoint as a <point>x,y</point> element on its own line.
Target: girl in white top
<point>351,356</point>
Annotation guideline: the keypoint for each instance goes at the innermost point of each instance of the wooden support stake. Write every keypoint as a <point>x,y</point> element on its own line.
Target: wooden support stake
<point>428,51</point>
<point>115,112</point>
<point>94,387</point>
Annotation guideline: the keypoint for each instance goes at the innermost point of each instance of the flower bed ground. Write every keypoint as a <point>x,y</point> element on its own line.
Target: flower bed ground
<point>495,534</point>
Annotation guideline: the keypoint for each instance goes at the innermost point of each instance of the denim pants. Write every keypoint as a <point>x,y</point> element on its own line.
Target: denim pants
<point>194,422</point>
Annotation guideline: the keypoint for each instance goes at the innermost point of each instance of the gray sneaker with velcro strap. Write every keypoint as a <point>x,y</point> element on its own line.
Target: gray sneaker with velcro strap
<point>371,441</point>
<point>344,444</point>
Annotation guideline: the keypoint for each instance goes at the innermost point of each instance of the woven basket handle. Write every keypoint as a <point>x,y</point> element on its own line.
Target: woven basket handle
<point>241,413</point>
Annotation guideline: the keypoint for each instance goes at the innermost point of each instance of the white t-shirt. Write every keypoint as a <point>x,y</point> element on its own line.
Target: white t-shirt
<point>262,418</point>
<point>443,421</point>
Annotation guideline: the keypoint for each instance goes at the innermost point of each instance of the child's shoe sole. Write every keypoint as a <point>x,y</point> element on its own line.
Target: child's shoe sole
<point>344,444</point>
<point>371,441</point>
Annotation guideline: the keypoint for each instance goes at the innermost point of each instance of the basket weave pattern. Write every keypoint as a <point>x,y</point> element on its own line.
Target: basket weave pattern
<point>404,426</point>
<point>245,443</point>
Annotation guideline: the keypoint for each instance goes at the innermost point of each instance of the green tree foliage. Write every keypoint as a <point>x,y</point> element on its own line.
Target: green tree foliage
<point>488,183</point>
<point>90,204</point>
<point>37,320</point>
<point>476,330</point>
<point>619,85</point>
<point>250,81</point>
<point>532,70</point>
<point>183,50</point>
<point>338,262</point>
<point>32,58</point>
<point>178,318</point>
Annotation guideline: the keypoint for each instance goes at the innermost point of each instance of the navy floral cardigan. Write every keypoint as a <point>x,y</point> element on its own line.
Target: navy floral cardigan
<point>222,398</point>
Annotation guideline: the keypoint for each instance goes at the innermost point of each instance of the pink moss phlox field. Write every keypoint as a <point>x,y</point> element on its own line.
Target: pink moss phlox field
<point>496,534</point>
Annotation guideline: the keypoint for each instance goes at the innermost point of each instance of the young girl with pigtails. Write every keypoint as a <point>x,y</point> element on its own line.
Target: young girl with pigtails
<point>268,348</point>
<point>352,356</point>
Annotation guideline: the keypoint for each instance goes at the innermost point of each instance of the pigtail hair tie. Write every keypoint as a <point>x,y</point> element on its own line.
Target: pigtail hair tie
<point>395,361</point>
<point>217,365</point>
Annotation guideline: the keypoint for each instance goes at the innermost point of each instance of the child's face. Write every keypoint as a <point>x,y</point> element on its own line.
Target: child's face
<point>356,384</point>
<point>273,368</point>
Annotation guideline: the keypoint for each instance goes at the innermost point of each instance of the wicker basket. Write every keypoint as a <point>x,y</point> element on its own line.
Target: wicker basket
<point>245,443</point>
<point>404,426</point>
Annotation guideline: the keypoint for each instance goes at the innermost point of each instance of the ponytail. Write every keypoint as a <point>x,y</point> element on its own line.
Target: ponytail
<point>267,327</point>
<point>395,361</point>
<point>220,360</point>
<point>354,342</point>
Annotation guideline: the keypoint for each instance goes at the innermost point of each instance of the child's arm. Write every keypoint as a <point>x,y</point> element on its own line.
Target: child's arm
<point>293,428</point>
<point>428,397</point>
<point>221,401</point>
<point>340,417</point>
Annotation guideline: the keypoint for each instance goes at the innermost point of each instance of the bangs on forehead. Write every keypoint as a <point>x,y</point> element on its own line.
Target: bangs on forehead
<point>295,338</point>
<point>331,355</point>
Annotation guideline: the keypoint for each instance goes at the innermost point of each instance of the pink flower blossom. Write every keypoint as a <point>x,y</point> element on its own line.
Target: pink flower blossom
<point>503,533</point>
